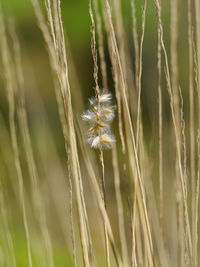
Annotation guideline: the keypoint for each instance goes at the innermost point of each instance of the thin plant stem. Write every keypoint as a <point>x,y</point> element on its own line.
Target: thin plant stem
<point>177,137</point>
<point>72,223</point>
<point>132,150</point>
<point>139,87</point>
<point>61,72</point>
<point>120,208</point>
<point>101,46</point>
<point>192,128</point>
<point>136,44</point>
<point>104,200</point>
<point>197,67</point>
<point>159,62</point>
<point>98,192</point>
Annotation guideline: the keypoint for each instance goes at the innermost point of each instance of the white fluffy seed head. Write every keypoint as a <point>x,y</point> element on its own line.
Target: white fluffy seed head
<point>104,141</point>
<point>88,115</point>
<point>99,116</point>
<point>107,97</point>
<point>103,98</point>
<point>92,101</point>
<point>107,141</point>
<point>107,113</point>
<point>96,142</point>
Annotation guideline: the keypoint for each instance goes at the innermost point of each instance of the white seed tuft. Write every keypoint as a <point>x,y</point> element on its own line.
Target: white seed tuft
<point>95,142</point>
<point>88,115</point>
<point>99,116</point>
<point>105,98</point>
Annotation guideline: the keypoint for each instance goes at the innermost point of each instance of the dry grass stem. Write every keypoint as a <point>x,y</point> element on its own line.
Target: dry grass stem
<point>118,183</point>
<point>120,209</point>
<point>61,71</point>
<point>134,164</point>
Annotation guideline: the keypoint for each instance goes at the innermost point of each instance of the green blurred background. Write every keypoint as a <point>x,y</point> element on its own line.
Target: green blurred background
<point>43,115</point>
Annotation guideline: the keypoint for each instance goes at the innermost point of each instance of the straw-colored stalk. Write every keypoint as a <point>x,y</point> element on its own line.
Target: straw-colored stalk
<point>97,96</point>
<point>159,66</point>
<point>114,155</point>
<point>192,132</point>
<point>139,79</point>
<point>72,221</point>
<point>92,175</point>
<point>177,138</point>
<point>101,46</point>
<point>131,145</point>
<point>135,41</point>
<point>120,209</point>
<point>176,102</point>
<point>61,72</point>
<point>197,20</point>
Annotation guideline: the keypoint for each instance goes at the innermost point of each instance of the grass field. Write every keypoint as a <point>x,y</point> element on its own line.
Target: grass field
<point>99,133</point>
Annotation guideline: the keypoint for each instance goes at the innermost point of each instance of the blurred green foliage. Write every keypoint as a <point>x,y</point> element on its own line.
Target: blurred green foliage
<point>77,27</point>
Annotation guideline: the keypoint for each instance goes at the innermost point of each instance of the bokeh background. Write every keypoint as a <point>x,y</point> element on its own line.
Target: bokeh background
<point>45,128</point>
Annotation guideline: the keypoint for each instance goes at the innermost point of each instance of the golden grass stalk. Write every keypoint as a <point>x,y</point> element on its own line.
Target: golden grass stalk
<point>97,92</point>
<point>129,79</point>
<point>61,72</point>
<point>10,88</point>
<point>104,199</point>
<point>101,46</point>
<point>176,102</point>
<point>124,54</point>
<point>93,179</point>
<point>159,65</point>
<point>115,76</point>
<point>131,145</point>
<point>173,48</point>
<point>192,133</point>
<point>197,20</point>
<point>114,156</point>
<point>198,156</point>
<point>152,206</point>
<point>62,49</point>
<point>72,222</point>
<point>134,230</point>
<point>145,213</point>
<point>139,79</point>
<point>135,41</point>
<point>177,139</point>
<point>197,204</point>
<point>137,62</point>
<point>120,209</point>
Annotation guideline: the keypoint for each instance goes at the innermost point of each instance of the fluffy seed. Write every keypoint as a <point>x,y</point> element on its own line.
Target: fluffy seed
<point>99,116</point>
<point>105,98</point>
